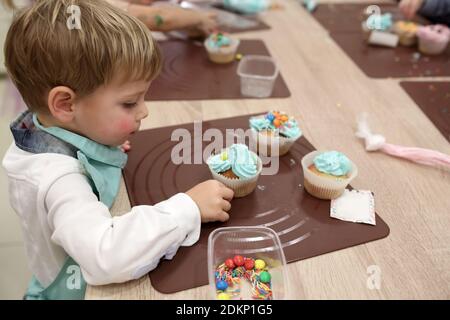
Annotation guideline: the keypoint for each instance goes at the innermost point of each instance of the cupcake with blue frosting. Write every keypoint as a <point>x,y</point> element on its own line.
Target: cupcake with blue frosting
<point>377,22</point>
<point>236,167</point>
<point>221,47</point>
<point>274,133</point>
<point>247,6</point>
<point>327,174</point>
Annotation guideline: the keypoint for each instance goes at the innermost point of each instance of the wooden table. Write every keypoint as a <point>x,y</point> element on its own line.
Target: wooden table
<point>328,92</point>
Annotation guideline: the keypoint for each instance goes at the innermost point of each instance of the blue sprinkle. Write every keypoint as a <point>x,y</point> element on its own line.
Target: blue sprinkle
<point>221,285</point>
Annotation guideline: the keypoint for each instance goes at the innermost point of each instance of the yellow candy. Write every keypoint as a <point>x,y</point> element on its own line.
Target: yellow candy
<point>224,156</point>
<point>238,56</point>
<point>223,296</point>
<point>260,264</point>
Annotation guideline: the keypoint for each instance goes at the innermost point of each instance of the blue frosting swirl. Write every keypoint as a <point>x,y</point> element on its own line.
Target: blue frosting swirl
<point>333,162</point>
<point>247,6</point>
<point>219,163</point>
<point>242,162</point>
<point>379,22</point>
<point>260,123</point>
<point>291,130</point>
<point>218,40</point>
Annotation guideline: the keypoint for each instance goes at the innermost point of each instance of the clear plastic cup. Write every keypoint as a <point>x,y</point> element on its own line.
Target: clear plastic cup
<point>258,75</point>
<point>249,242</point>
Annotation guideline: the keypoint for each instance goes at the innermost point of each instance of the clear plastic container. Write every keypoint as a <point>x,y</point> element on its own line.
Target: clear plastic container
<point>249,242</point>
<point>258,75</point>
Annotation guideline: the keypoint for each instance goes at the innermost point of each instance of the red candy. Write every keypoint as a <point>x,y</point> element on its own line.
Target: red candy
<point>238,260</point>
<point>229,263</point>
<point>249,264</point>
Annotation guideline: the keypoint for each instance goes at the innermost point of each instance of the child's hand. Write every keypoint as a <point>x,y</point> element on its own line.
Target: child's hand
<point>207,22</point>
<point>410,7</point>
<point>213,199</point>
<point>197,22</point>
<point>168,18</point>
<point>126,146</point>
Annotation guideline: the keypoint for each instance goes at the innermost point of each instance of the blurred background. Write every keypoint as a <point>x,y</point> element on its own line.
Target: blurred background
<point>14,273</point>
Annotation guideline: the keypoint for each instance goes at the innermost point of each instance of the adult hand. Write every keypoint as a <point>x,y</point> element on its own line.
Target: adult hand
<point>410,7</point>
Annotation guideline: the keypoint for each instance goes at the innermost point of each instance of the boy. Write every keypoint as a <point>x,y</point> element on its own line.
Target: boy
<point>84,85</point>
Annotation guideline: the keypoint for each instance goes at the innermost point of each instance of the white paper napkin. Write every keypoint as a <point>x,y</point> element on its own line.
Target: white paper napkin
<point>354,206</point>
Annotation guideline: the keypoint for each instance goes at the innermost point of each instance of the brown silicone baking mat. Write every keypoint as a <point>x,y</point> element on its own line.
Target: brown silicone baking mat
<point>434,100</point>
<point>228,21</point>
<point>259,26</point>
<point>234,23</point>
<point>189,75</point>
<point>279,202</point>
<point>343,21</point>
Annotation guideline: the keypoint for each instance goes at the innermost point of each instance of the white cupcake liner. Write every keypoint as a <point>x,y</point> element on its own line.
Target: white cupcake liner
<point>241,187</point>
<point>324,187</point>
<point>267,145</point>
<point>431,47</point>
<point>222,54</point>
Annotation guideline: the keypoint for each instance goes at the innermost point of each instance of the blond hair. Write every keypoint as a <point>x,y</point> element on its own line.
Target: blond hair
<point>42,52</point>
<point>9,4</point>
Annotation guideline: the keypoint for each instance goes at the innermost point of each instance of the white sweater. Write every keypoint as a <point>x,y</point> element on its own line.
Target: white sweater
<point>60,214</point>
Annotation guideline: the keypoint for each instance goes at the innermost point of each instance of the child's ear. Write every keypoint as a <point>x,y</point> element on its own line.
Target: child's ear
<point>61,103</point>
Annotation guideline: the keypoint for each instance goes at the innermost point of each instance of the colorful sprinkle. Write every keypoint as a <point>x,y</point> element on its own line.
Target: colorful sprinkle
<point>270,117</point>
<point>229,275</point>
<point>229,263</point>
<point>260,264</point>
<point>222,285</point>
<point>223,296</point>
<point>224,156</point>
<point>238,260</point>
<point>249,264</point>
<point>265,277</point>
<point>278,119</point>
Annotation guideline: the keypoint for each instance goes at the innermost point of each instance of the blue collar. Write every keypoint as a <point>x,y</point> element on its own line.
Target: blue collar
<point>102,163</point>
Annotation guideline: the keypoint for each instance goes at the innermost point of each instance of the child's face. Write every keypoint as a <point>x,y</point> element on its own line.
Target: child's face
<point>112,112</point>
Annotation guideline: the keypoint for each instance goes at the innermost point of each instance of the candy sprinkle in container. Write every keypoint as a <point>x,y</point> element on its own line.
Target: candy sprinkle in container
<point>246,263</point>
